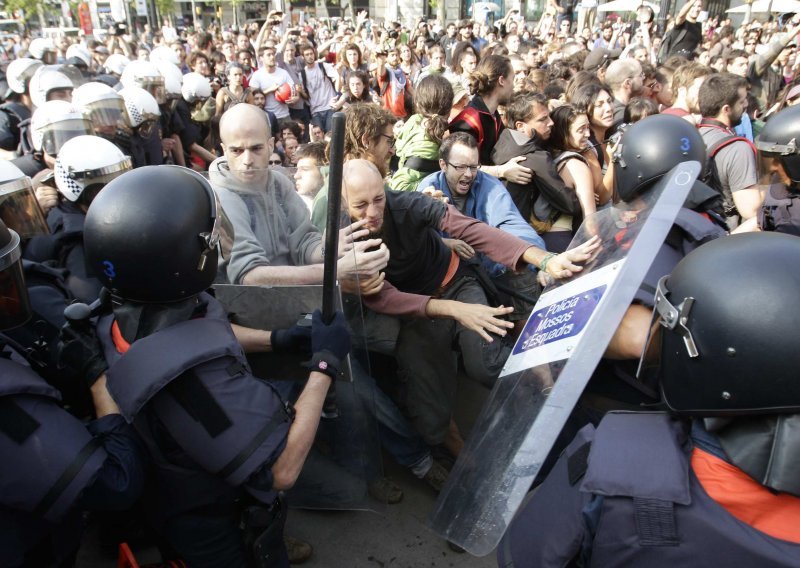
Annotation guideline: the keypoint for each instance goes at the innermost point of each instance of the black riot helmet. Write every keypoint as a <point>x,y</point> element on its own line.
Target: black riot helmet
<point>15,307</point>
<point>151,234</point>
<point>780,138</point>
<point>652,147</point>
<point>728,328</point>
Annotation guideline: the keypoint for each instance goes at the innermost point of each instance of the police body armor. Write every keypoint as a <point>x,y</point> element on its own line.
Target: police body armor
<point>17,137</point>
<point>643,503</point>
<point>49,456</point>
<point>780,211</point>
<point>640,463</point>
<point>207,422</point>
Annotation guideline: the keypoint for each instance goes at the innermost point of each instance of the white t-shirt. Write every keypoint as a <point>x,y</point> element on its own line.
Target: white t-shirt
<point>320,89</point>
<point>264,80</point>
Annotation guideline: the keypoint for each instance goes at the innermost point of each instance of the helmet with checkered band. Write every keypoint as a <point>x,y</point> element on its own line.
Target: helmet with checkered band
<point>86,164</point>
<point>195,88</point>
<point>146,75</point>
<point>141,106</point>
<point>19,73</point>
<point>45,80</point>
<point>55,122</point>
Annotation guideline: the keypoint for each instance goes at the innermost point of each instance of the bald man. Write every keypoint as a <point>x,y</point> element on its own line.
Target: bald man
<point>426,281</point>
<point>275,242</point>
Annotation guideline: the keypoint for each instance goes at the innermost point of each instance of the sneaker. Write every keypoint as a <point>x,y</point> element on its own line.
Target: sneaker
<point>298,550</point>
<point>436,476</point>
<point>385,491</point>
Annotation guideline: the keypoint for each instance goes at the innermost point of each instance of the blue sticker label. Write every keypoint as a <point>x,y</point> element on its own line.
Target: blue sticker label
<point>109,269</point>
<point>685,144</point>
<point>560,320</point>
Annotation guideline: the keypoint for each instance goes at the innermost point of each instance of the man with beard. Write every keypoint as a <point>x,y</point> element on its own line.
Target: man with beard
<point>722,101</point>
<point>626,80</point>
<point>443,309</point>
<point>492,84</point>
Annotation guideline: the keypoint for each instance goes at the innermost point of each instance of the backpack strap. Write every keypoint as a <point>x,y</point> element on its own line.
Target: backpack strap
<point>720,144</point>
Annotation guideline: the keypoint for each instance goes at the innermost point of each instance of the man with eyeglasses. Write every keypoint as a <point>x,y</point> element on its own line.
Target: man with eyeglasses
<point>444,312</point>
<point>481,196</point>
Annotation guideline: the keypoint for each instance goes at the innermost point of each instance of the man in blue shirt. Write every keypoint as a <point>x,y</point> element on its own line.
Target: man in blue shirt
<point>484,197</point>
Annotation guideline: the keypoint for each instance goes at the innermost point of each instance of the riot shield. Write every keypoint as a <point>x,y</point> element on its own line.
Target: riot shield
<point>278,253</point>
<point>551,363</point>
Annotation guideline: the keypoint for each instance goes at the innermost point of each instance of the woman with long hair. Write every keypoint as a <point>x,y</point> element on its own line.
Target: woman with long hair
<point>596,100</point>
<point>357,91</point>
<point>351,61</point>
<point>417,145</point>
<point>569,139</point>
<point>408,62</point>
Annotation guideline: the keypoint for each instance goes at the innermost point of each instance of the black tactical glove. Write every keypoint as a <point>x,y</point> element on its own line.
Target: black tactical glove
<point>80,350</point>
<point>296,338</point>
<point>330,344</point>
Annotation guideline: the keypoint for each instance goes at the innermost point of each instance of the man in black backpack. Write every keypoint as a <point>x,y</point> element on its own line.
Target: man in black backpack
<point>732,168</point>
<point>318,86</point>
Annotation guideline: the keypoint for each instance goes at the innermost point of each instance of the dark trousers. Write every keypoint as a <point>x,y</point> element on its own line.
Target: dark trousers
<point>427,357</point>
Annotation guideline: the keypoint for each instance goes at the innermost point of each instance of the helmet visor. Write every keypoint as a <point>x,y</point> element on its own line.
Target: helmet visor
<point>20,210</point>
<point>108,113</point>
<point>154,86</point>
<point>15,307</point>
<point>55,135</point>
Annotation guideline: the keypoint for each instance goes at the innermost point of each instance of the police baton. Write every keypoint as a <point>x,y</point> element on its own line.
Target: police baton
<point>329,409</point>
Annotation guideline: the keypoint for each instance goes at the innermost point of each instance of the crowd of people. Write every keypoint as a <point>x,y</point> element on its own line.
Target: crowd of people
<point>141,170</point>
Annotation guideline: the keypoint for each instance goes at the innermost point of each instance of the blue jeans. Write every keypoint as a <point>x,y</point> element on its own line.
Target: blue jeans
<point>322,119</point>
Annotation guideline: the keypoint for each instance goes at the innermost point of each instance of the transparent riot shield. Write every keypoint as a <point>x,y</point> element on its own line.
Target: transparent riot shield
<point>273,280</point>
<point>551,363</point>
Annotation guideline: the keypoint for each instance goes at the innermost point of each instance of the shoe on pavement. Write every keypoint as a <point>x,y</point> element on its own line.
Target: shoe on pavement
<point>436,476</point>
<point>386,491</point>
<point>298,550</point>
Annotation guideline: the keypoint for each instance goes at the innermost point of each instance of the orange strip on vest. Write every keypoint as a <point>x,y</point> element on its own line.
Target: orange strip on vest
<point>119,341</point>
<point>776,515</point>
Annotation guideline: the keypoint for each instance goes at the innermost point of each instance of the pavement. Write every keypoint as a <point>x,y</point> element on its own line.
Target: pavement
<point>395,538</point>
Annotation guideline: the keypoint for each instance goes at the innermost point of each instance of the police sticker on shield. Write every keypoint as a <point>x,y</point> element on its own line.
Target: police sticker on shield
<point>550,365</point>
<point>555,327</point>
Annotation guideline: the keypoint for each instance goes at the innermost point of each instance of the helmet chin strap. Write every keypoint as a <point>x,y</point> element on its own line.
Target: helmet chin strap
<point>767,448</point>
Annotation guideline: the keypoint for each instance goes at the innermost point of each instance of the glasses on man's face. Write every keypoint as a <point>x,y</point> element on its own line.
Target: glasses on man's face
<point>274,162</point>
<point>390,139</point>
<point>750,43</point>
<point>462,168</point>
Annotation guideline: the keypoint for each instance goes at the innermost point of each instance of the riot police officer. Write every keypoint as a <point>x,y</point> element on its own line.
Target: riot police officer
<point>223,443</point>
<point>52,467</point>
<point>85,164</point>
<point>713,481</point>
<point>777,143</point>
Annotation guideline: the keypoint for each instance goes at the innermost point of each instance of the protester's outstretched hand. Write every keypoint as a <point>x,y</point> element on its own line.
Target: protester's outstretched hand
<point>566,264</point>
